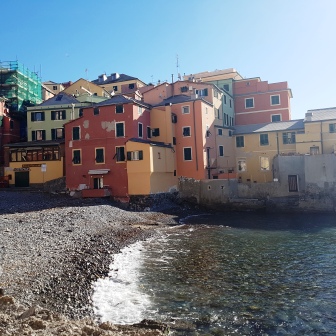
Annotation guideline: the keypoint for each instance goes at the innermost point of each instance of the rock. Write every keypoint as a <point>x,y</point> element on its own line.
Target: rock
<point>37,324</point>
<point>27,313</point>
<point>7,299</point>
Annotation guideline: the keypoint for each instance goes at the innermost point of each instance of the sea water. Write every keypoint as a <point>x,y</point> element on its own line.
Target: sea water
<point>229,274</point>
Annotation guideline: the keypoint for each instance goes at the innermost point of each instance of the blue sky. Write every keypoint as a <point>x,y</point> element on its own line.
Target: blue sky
<point>276,40</point>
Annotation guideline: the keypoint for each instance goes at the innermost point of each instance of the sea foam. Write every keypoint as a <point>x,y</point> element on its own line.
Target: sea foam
<point>119,298</point>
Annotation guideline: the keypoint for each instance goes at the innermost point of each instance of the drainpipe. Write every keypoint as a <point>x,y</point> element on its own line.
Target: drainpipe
<point>277,141</point>
<point>194,117</point>
<point>321,134</point>
<point>208,161</point>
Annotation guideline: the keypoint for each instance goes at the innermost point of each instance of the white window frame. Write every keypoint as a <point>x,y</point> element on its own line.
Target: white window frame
<point>187,107</point>
<point>264,167</point>
<point>244,166</point>
<point>272,115</point>
<point>120,136</point>
<point>184,148</point>
<point>186,127</point>
<point>246,99</point>
<point>271,100</point>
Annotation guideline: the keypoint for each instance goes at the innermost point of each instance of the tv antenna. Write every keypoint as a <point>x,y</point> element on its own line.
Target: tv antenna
<point>177,67</point>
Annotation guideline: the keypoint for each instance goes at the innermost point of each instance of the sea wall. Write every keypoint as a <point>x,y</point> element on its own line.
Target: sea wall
<point>272,196</point>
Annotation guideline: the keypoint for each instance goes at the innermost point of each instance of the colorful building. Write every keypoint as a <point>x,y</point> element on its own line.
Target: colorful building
<point>258,144</point>
<point>117,84</point>
<point>258,101</point>
<point>98,143</point>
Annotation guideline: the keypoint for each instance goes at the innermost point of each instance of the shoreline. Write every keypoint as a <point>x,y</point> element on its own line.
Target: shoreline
<point>53,248</point>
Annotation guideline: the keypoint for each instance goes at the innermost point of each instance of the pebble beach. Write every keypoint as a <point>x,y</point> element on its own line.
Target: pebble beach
<point>52,248</point>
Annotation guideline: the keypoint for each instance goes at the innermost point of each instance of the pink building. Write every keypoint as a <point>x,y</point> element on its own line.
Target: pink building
<point>9,131</point>
<point>258,101</point>
<point>95,146</point>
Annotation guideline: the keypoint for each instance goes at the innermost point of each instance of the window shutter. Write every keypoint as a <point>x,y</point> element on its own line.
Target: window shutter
<point>129,156</point>
<point>53,134</point>
<point>205,92</point>
<point>32,116</point>
<point>42,116</point>
<point>63,114</point>
<point>52,115</point>
<point>141,155</point>
<point>43,134</point>
<point>63,135</point>
<point>33,136</point>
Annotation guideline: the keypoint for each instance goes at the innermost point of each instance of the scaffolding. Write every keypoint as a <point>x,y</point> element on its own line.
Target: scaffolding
<point>19,85</point>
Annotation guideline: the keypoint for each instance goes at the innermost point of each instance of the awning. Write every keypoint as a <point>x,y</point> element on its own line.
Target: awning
<point>98,171</point>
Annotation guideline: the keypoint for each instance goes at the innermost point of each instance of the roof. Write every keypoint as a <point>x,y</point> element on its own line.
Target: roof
<point>152,143</point>
<point>121,78</point>
<point>270,127</point>
<point>60,99</point>
<point>320,114</point>
<point>178,99</point>
<point>122,99</point>
<point>35,143</point>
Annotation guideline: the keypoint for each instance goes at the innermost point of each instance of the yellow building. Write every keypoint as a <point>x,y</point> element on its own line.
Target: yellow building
<point>150,167</point>
<point>119,83</point>
<point>34,163</point>
<point>319,136</point>
<point>257,145</point>
<point>83,87</point>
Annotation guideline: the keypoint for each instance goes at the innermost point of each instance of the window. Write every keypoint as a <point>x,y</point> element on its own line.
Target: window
<point>96,111</point>
<point>38,135</point>
<point>58,115</point>
<point>264,139</point>
<point>203,92</point>
<point>288,138</point>
<point>135,155</point>
<point>332,128</point>
<point>264,163</point>
<point>76,156</point>
<point>98,183</point>
<point>224,99</point>
<point>230,102</point>
<point>215,93</point>
<point>314,150</point>
<point>221,150</point>
<point>80,113</point>
<point>186,131</point>
<point>184,89</point>
<point>100,155</point>
<point>119,108</point>
<point>249,102</point>
<point>187,154</point>
<point>57,133</point>
<point>241,164</point>
<point>240,141</point>
<point>131,86</point>
<point>140,130</point>
<point>207,133</point>
<point>75,133</point>
<point>54,87</point>
<point>120,129</point>
<point>185,109</point>
<point>220,131</point>
<point>275,100</point>
<point>37,116</point>
<point>120,154</point>
<point>140,110</point>
<point>155,132</point>
<point>115,88</point>
<point>276,117</point>
<point>149,132</point>
<point>217,114</point>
